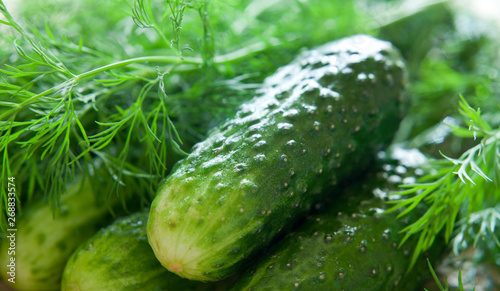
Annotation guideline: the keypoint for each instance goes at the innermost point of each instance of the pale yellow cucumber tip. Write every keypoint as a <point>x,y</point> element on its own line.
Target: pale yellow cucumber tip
<point>175,268</point>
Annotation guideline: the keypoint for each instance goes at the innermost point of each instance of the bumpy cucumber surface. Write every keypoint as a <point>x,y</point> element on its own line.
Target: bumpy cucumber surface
<point>317,121</point>
<point>44,243</point>
<point>350,245</point>
<point>119,258</point>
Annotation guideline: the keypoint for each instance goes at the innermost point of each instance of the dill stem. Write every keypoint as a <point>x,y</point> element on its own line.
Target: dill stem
<point>229,57</point>
<point>176,60</point>
<point>74,80</point>
<point>158,59</point>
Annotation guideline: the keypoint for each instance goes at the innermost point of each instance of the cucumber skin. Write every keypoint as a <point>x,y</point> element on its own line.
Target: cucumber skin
<point>45,243</point>
<point>350,245</point>
<point>319,120</point>
<point>119,258</point>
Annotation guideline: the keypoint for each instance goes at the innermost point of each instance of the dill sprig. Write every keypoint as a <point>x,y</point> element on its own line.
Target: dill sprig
<point>463,189</point>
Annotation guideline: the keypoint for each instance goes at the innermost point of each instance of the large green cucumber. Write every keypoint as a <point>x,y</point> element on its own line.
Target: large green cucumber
<point>317,121</point>
<point>44,242</point>
<point>350,245</point>
<point>119,258</point>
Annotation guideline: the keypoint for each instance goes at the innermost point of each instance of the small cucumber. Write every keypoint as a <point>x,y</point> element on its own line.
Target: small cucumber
<point>119,258</point>
<point>44,242</point>
<point>350,245</point>
<point>317,121</point>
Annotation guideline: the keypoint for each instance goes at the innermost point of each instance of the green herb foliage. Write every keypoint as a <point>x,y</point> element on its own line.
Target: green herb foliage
<point>446,287</point>
<point>466,187</point>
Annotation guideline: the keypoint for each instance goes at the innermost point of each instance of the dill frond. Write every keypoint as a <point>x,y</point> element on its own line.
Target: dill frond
<point>465,188</point>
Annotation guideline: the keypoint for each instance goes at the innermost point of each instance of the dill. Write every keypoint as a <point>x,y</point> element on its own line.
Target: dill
<point>463,189</point>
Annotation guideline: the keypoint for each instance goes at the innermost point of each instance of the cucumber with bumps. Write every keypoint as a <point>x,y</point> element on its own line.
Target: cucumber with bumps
<point>350,245</point>
<point>45,241</point>
<point>119,258</point>
<point>317,121</point>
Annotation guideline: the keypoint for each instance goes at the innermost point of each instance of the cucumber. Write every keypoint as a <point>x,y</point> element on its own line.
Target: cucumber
<point>316,122</point>
<point>119,258</point>
<point>350,245</point>
<point>44,241</point>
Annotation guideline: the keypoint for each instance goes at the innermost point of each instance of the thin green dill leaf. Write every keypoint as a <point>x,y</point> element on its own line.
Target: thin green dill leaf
<point>465,161</point>
<point>454,161</point>
<point>436,279</point>
<point>415,201</point>
<point>415,187</point>
<point>423,191</point>
<point>49,32</point>
<point>463,132</point>
<point>114,79</point>
<point>461,187</point>
<point>148,128</point>
<point>460,283</point>
<point>45,57</point>
<point>400,204</point>
<point>411,190</point>
<point>5,174</point>
<point>80,44</point>
<point>479,171</point>
<point>486,220</point>
<point>141,15</point>
<point>419,225</point>
<point>453,210</point>
<point>7,103</point>
<point>103,138</point>
<point>171,128</point>
<point>81,128</point>
<point>419,248</point>
<point>474,115</point>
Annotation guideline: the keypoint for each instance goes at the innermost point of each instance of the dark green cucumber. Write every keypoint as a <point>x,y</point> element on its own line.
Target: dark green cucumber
<point>119,258</point>
<point>317,121</point>
<point>44,242</point>
<point>350,245</point>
